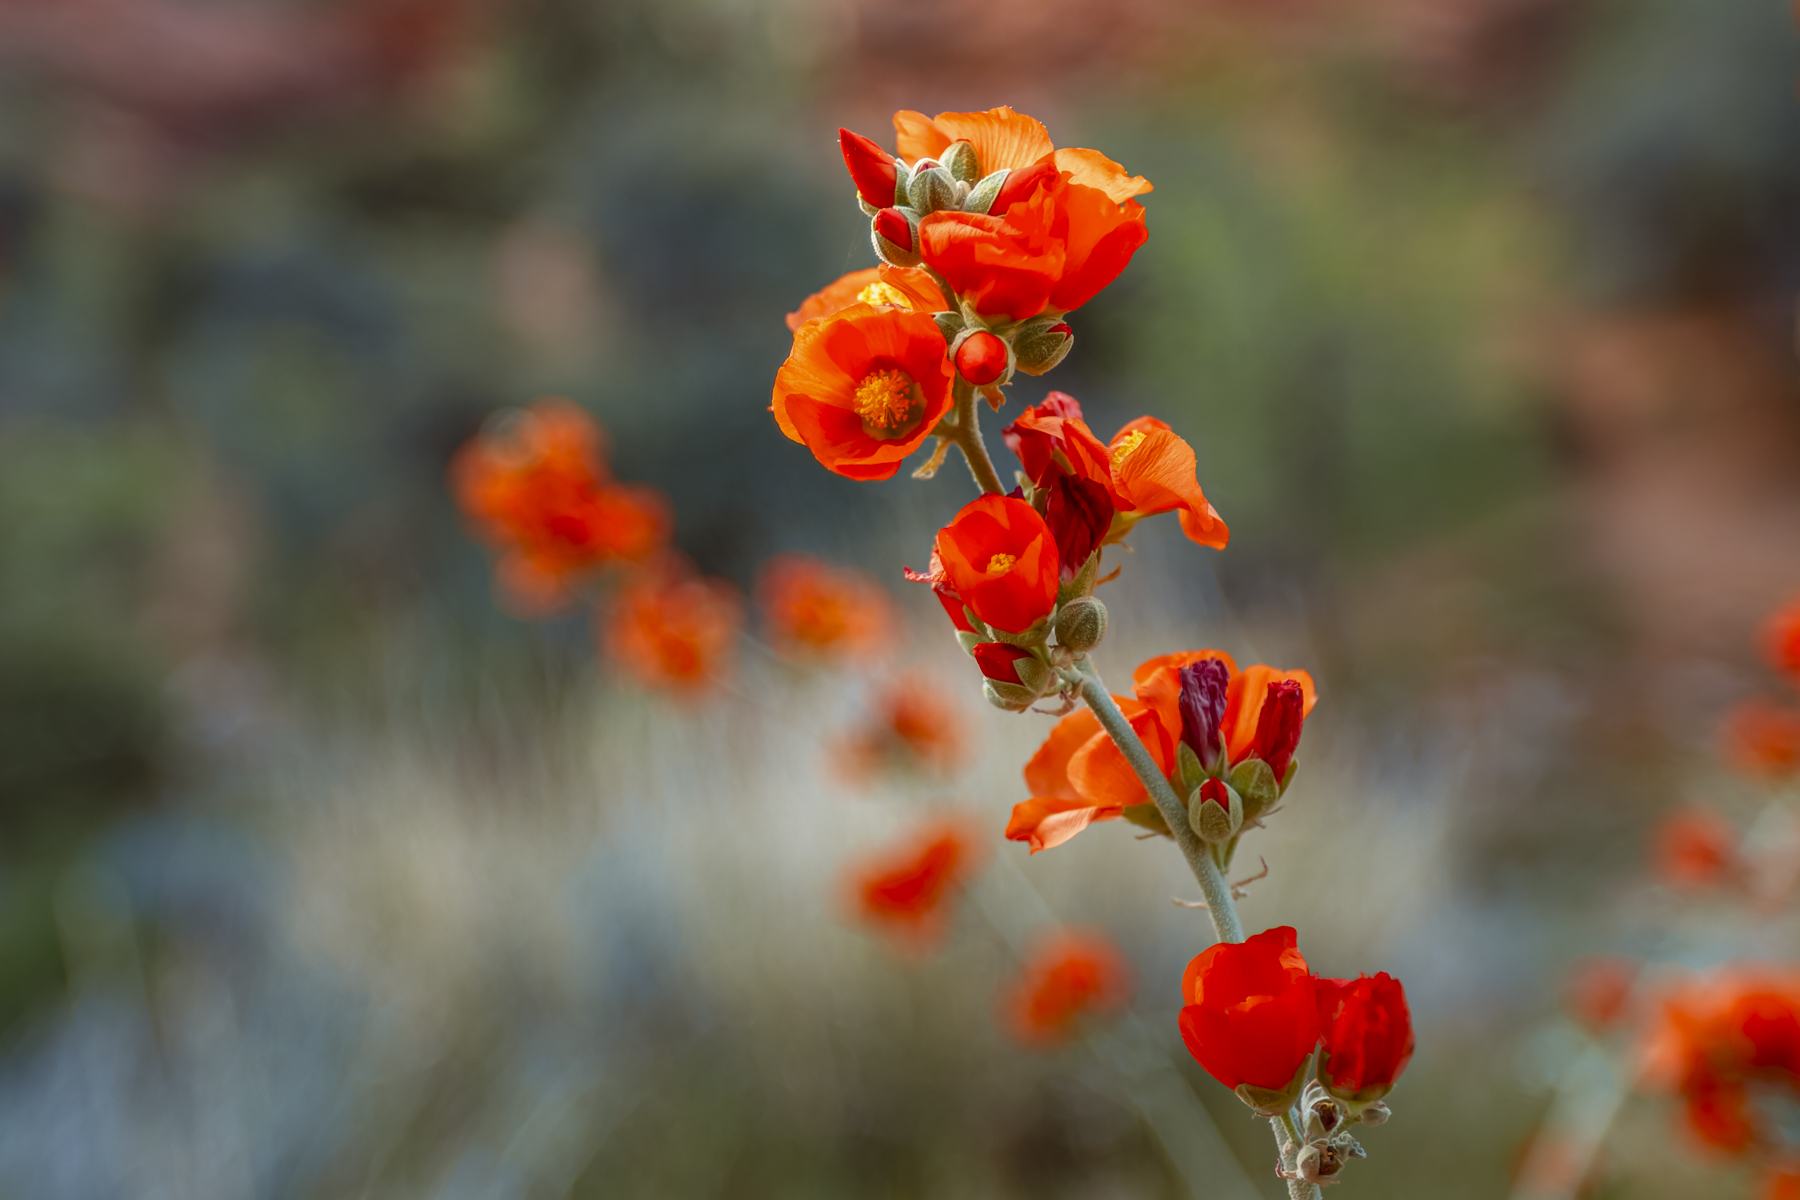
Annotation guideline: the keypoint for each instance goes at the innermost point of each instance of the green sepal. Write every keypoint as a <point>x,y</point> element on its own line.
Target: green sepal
<point>1255,782</point>
<point>983,194</point>
<point>1192,773</point>
<point>968,639</point>
<point>959,159</point>
<point>902,176</point>
<point>931,190</point>
<point>1009,696</point>
<point>1034,674</point>
<point>1146,816</point>
<point>949,324</point>
<point>1026,639</point>
<point>1083,582</point>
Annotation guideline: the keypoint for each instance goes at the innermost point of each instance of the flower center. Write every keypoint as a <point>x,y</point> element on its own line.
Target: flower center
<point>882,292</point>
<point>1123,450</point>
<point>1000,564</point>
<point>884,400</point>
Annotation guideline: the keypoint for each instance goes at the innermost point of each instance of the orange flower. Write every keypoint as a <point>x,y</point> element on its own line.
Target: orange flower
<point>914,728</point>
<point>1730,1044</point>
<point>908,890</point>
<point>1763,739</point>
<point>1067,976</point>
<point>675,630</point>
<point>815,611</point>
<point>1781,639</point>
<point>1146,469</point>
<point>1694,849</point>
<point>1006,140</point>
<point>537,489</point>
<point>1079,776</point>
<point>999,556</point>
<point>1052,251</point>
<point>907,288</point>
<point>863,388</point>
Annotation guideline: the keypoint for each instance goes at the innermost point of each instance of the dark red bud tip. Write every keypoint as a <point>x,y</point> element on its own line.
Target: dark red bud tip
<point>871,167</point>
<point>1019,185</point>
<point>892,224</point>
<point>999,661</point>
<point>1278,725</point>
<point>1214,790</point>
<point>981,358</point>
<point>1062,331</point>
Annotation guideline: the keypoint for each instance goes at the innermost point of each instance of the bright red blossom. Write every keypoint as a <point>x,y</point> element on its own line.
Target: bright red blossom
<point>1365,1033</point>
<point>908,891</point>
<point>1000,558</point>
<point>1252,1013</point>
<point>1067,977</point>
<point>863,388</point>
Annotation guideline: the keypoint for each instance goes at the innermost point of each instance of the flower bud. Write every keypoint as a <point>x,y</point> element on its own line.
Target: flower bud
<point>1042,342</point>
<point>959,160</point>
<point>999,661</point>
<point>931,189</point>
<point>981,196</point>
<point>1215,812</point>
<point>1253,780</point>
<point>871,168</point>
<point>1020,185</point>
<point>1278,725</point>
<point>1202,706</point>
<point>981,358</point>
<point>896,237</point>
<point>1009,696</point>
<point>1081,624</point>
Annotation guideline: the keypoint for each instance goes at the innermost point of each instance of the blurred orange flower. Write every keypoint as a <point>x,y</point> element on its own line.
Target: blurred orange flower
<point>1067,977</point>
<point>908,288</point>
<point>863,388</point>
<point>1694,849</point>
<point>1762,738</point>
<point>1780,1185</point>
<point>908,891</point>
<point>914,728</point>
<point>1729,1043</point>
<point>1079,776</point>
<point>675,630</point>
<point>1598,990</point>
<point>537,489</point>
<point>815,611</point>
<point>1781,639</point>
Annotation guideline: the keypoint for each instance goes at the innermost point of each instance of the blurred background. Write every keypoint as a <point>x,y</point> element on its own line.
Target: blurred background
<point>320,876</point>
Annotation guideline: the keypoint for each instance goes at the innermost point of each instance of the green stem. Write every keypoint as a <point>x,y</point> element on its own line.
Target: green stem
<point>967,436</point>
<point>1219,905</point>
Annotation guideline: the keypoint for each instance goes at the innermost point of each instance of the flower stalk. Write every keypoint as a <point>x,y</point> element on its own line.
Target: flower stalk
<point>966,433</point>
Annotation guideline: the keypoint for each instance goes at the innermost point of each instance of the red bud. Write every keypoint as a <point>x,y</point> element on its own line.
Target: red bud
<point>1019,185</point>
<point>892,224</point>
<point>981,358</point>
<point>998,660</point>
<point>1214,790</point>
<point>1278,725</point>
<point>872,169</point>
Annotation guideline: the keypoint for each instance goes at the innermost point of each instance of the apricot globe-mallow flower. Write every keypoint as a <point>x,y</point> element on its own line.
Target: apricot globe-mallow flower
<point>1252,1019</point>
<point>814,612</point>
<point>863,388</point>
<point>909,891</point>
<point>536,488</point>
<point>909,289</point>
<point>674,630</point>
<point>1067,979</point>
<point>1000,558</point>
<point>1365,1036</point>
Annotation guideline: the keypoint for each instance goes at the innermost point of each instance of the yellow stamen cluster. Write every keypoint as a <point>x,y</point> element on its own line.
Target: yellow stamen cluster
<point>884,399</point>
<point>1123,450</point>
<point>882,292</point>
<point>1001,563</point>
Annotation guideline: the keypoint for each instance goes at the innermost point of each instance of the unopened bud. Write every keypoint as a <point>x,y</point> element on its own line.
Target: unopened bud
<point>1020,185</point>
<point>873,169</point>
<point>1041,343</point>
<point>1215,812</point>
<point>1376,1113</point>
<point>981,358</point>
<point>950,324</point>
<point>1010,696</point>
<point>1081,624</point>
<point>959,160</point>
<point>981,196</point>
<point>1255,782</point>
<point>931,189</point>
<point>896,237</point>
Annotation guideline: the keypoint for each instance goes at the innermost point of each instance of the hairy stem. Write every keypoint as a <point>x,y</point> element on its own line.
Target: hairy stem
<point>967,436</point>
<point>1219,905</point>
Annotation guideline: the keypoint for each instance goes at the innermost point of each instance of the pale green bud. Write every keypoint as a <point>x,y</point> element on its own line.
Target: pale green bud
<point>1081,624</point>
<point>1034,674</point>
<point>1255,782</point>
<point>1009,696</point>
<point>981,197</point>
<point>959,160</point>
<point>930,190</point>
<point>1042,342</point>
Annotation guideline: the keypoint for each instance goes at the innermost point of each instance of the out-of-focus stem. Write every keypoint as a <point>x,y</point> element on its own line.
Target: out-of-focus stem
<point>966,433</point>
<point>1219,905</point>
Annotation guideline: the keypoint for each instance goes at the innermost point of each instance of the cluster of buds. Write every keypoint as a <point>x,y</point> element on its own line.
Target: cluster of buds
<point>1326,1142</point>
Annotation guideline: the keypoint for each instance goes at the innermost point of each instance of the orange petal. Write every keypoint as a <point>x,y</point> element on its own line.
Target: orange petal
<point>1244,701</point>
<point>1047,774</point>
<point>1090,168</point>
<point>915,136</point>
<point>1149,667</point>
<point>1045,822</point>
<point>1099,771</point>
<point>1001,137</point>
<point>1155,473</point>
